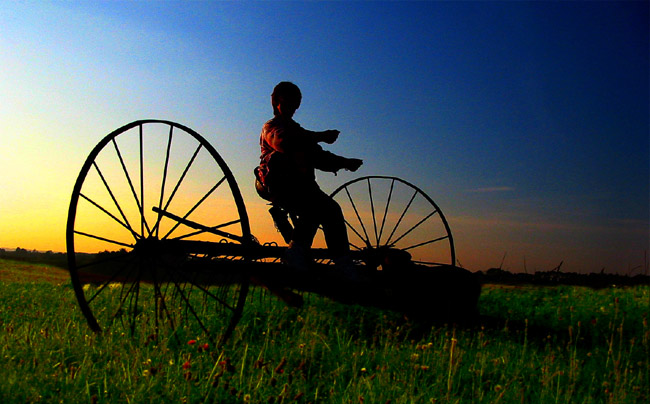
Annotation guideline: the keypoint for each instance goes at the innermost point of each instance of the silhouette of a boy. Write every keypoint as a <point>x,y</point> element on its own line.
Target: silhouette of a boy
<point>290,155</point>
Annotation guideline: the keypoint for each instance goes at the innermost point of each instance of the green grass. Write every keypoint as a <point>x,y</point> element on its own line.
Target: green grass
<point>546,345</point>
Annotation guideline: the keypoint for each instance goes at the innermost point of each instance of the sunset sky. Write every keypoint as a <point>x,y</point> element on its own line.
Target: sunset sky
<point>526,122</point>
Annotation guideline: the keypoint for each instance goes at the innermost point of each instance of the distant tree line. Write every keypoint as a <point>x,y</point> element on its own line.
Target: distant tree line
<point>49,257</point>
<point>555,277</point>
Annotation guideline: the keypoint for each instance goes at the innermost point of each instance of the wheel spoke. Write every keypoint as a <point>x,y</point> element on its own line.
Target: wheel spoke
<point>123,296</point>
<point>109,281</point>
<point>190,281</point>
<point>366,239</point>
<point>415,226</point>
<point>356,232</point>
<point>207,230</point>
<point>117,205</point>
<point>133,306</point>
<point>180,180</point>
<point>383,220</point>
<point>399,221</point>
<point>156,226</point>
<point>103,239</point>
<point>128,179</point>
<point>410,221</point>
<point>126,226</point>
<point>142,218</point>
<point>372,210</point>
<point>187,294</point>
<point>159,297</point>
<point>435,240</point>
<point>189,306</point>
<point>196,206</point>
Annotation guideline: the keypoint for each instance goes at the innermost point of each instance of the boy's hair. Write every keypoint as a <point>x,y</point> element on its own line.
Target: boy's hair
<point>285,90</point>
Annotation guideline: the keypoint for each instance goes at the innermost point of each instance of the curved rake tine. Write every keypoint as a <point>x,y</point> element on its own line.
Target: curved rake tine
<point>415,226</point>
<point>117,205</point>
<point>401,217</point>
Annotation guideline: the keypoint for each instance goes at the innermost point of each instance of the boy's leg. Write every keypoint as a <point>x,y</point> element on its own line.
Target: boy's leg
<point>319,208</point>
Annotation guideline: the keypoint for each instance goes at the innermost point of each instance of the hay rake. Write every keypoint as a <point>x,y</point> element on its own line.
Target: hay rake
<point>158,235</point>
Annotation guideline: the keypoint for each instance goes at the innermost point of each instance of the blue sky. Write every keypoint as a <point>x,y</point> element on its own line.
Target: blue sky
<point>527,122</point>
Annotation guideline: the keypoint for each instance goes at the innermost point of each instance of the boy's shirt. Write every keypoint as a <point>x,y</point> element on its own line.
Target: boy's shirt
<point>292,151</point>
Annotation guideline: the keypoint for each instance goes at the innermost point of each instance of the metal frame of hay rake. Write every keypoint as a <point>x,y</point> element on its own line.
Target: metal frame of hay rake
<point>158,234</point>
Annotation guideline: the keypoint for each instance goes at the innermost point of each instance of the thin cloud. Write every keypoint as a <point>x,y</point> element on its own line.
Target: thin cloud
<point>492,189</point>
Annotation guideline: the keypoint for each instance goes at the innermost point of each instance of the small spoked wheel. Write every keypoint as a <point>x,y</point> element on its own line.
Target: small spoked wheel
<point>125,247</point>
<point>390,213</point>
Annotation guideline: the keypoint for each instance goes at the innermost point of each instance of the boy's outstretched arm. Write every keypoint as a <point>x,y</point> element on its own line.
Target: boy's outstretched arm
<point>328,161</point>
<point>326,136</point>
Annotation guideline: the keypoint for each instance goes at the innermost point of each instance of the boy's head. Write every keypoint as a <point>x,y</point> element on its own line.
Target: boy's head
<point>285,99</point>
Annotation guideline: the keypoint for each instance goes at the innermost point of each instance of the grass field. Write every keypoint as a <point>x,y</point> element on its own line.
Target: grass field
<point>533,345</point>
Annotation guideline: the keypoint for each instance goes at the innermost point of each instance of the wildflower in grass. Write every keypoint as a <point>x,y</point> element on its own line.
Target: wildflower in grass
<point>280,367</point>
<point>203,347</point>
<point>145,373</point>
<point>187,365</point>
<point>191,342</point>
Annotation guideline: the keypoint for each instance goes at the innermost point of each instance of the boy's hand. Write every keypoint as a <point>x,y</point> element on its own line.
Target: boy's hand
<point>353,164</point>
<point>329,136</point>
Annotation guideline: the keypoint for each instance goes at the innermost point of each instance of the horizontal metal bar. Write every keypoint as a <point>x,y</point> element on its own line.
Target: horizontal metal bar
<point>198,226</point>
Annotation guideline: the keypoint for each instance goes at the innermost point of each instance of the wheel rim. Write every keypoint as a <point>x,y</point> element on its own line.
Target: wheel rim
<point>121,265</point>
<point>387,212</point>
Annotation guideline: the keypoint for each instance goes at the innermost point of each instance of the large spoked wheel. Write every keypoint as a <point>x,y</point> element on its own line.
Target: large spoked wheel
<point>390,213</point>
<point>126,264</point>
